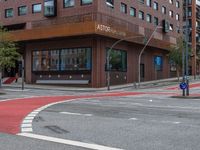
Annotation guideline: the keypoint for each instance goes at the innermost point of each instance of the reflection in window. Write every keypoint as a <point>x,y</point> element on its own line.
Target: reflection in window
<point>76,59</point>
<point>22,10</point>
<point>118,60</point>
<point>84,2</point>
<point>61,60</point>
<point>36,8</point>
<point>49,8</point>
<point>9,12</point>
<point>69,3</point>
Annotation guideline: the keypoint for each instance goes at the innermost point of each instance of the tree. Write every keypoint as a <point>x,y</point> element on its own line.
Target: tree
<point>8,51</point>
<point>175,55</point>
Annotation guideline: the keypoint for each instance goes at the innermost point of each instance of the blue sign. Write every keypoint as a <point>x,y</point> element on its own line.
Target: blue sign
<point>183,85</point>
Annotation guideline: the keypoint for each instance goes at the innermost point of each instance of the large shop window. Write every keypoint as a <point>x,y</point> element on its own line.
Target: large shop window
<point>62,60</point>
<point>118,60</point>
<point>50,8</point>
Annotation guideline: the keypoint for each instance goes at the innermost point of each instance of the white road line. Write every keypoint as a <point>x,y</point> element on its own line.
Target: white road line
<point>26,125</point>
<point>26,129</point>
<point>77,114</point>
<point>68,142</point>
<point>133,119</point>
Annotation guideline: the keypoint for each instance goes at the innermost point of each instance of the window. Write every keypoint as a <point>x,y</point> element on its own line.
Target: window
<point>177,17</point>
<point>158,63</point>
<point>9,12</point>
<point>118,60</point>
<point>69,3</point>
<point>50,8</point>
<point>148,18</point>
<point>171,1</point>
<point>132,12</point>
<point>141,1</point>
<point>62,59</point>
<point>155,21</point>
<point>155,6</point>
<point>171,27</point>
<point>36,8</point>
<point>148,2</point>
<point>110,3</point>
<point>177,4</point>
<point>141,15</point>
<point>123,8</point>
<point>86,2</point>
<point>22,10</point>
<point>164,10</point>
<point>171,13</point>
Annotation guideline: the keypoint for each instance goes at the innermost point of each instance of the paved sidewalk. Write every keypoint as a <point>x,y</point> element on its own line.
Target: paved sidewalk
<point>134,86</point>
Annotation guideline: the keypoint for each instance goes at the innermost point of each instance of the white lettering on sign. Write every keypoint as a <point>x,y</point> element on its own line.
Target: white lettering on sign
<point>108,29</point>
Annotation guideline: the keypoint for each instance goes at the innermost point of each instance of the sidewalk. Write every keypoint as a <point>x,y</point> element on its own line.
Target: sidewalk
<point>134,86</point>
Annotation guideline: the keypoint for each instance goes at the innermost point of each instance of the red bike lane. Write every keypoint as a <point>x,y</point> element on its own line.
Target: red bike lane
<point>12,112</point>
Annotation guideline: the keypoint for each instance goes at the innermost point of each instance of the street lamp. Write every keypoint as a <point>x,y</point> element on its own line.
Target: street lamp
<point>140,54</point>
<point>186,48</point>
<point>108,67</point>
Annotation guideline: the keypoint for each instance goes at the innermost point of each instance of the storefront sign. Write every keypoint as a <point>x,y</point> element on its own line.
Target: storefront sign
<point>107,29</point>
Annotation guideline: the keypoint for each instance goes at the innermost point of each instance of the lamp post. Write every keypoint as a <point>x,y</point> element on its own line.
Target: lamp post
<point>186,48</point>
<point>108,67</point>
<point>140,54</point>
<point>22,59</point>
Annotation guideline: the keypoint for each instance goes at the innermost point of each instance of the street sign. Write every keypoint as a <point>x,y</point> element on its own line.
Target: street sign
<point>183,85</point>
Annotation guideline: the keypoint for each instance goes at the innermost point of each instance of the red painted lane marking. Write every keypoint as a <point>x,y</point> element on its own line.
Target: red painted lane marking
<point>193,85</point>
<point>13,112</point>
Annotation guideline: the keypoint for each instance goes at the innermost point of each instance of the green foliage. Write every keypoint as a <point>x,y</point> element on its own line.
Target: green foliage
<point>8,50</point>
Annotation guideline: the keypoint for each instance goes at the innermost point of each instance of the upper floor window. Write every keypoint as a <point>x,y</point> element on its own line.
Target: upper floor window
<point>69,3</point>
<point>148,2</point>
<point>49,8</point>
<point>164,10</point>
<point>9,12</point>
<point>177,4</point>
<point>110,3</point>
<point>141,1</point>
<point>177,17</point>
<point>123,8</point>
<point>171,1</point>
<point>36,8</point>
<point>85,2</point>
<point>171,13</point>
<point>155,21</point>
<point>132,12</point>
<point>155,5</point>
<point>141,15</point>
<point>22,10</point>
<point>148,18</point>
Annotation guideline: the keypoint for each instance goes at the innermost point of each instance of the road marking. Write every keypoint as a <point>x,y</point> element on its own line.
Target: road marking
<point>77,114</point>
<point>68,142</point>
<point>17,90</point>
<point>26,129</point>
<point>133,119</point>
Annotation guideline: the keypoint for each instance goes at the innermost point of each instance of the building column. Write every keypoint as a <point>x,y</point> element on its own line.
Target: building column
<point>97,63</point>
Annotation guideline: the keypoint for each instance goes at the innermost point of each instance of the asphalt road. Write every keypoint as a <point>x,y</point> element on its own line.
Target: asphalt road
<point>131,123</point>
<point>150,121</point>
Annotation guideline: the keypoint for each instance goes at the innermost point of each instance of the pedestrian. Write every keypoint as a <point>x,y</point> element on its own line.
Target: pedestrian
<point>16,77</point>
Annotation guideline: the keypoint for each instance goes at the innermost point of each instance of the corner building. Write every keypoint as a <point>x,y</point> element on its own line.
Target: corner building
<point>194,34</point>
<point>67,41</point>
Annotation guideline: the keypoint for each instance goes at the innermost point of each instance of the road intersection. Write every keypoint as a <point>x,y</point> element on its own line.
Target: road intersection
<point>103,120</point>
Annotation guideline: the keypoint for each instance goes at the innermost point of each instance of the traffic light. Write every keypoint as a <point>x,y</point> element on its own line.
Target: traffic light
<point>165,26</point>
